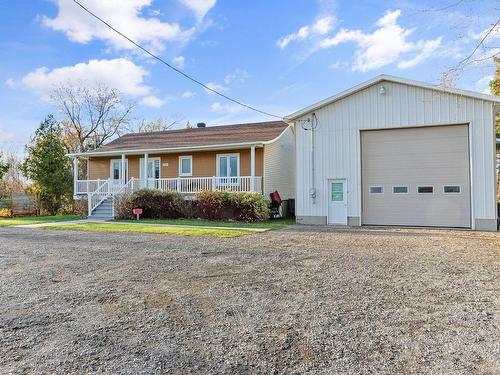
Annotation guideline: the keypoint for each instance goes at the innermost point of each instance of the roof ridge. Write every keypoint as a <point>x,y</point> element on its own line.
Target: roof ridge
<point>207,128</point>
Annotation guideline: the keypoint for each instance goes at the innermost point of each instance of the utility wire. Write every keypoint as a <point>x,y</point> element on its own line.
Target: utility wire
<point>171,66</point>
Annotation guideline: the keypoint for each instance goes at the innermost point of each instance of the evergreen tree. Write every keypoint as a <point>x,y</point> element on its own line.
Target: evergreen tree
<point>47,166</point>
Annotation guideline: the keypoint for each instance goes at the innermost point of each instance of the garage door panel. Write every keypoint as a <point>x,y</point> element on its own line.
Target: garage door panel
<point>430,156</point>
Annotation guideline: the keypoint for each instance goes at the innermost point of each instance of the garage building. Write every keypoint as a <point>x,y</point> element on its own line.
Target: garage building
<point>392,151</point>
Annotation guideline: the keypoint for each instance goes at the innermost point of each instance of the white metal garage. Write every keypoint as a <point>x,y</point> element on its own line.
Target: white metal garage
<point>416,176</point>
<point>393,151</point>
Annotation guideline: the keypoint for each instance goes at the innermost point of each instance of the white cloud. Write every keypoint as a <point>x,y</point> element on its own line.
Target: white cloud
<point>199,7</point>
<point>179,61</point>
<point>225,108</point>
<point>152,101</point>
<point>238,76</point>
<point>216,87</point>
<point>483,84</point>
<point>10,83</point>
<point>120,74</point>
<point>426,47</point>
<point>386,45</point>
<point>321,26</point>
<point>188,94</point>
<point>126,16</point>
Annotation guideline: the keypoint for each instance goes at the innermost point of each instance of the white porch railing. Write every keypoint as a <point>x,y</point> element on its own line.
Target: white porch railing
<point>88,186</point>
<point>191,185</point>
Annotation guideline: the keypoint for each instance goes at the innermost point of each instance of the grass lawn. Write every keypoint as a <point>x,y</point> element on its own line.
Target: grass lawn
<point>138,228</point>
<point>269,224</point>
<point>9,221</point>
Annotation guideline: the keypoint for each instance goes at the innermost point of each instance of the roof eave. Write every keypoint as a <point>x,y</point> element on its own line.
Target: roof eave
<point>166,150</point>
<point>388,78</point>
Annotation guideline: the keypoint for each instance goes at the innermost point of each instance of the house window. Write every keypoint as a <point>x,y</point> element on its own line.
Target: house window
<point>228,169</point>
<point>400,189</point>
<point>425,189</point>
<point>185,165</point>
<point>376,190</point>
<point>451,189</point>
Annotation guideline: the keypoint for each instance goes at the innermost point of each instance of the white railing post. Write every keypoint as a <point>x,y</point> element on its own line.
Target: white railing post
<point>123,173</point>
<point>75,176</point>
<point>214,183</point>
<point>89,203</point>
<point>252,167</point>
<point>179,184</point>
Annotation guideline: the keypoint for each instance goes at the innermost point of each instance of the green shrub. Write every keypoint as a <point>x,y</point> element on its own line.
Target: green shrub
<point>249,207</point>
<point>211,205</point>
<point>157,204</point>
<point>218,205</point>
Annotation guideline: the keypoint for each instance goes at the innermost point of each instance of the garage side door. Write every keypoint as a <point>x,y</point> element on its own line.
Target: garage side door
<point>416,176</point>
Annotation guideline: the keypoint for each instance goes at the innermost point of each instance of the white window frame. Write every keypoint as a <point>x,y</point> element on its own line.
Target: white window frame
<point>452,185</point>
<point>402,186</point>
<point>111,161</point>
<point>229,179</point>
<point>187,157</point>
<point>376,186</point>
<point>426,185</point>
<point>227,155</point>
<point>141,166</point>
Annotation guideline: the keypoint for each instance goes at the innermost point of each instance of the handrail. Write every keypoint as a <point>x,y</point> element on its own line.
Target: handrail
<point>94,199</point>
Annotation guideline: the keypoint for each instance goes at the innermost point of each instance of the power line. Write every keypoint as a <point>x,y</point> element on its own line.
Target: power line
<point>173,67</point>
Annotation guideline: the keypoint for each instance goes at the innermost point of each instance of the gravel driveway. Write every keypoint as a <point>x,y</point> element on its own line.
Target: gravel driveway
<point>298,300</point>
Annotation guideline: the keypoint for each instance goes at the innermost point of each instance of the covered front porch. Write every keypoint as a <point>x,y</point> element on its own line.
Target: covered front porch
<point>236,170</point>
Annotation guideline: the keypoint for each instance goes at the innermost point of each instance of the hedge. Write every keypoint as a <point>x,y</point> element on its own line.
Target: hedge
<point>209,205</point>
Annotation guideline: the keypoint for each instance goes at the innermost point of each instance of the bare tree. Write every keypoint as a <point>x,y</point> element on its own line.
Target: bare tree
<point>12,180</point>
<point>159,124</point>
<point>92,116</point>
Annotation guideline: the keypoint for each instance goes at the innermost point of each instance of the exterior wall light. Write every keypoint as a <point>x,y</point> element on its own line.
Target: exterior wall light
<point>381,90</point>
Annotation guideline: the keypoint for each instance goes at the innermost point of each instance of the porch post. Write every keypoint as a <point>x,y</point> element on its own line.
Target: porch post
<point>75,176</point>
<point>124,178</point>
<point>252,168</point>
<point>145,170</point>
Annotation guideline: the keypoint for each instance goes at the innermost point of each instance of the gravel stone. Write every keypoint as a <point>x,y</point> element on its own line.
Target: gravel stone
<point>299,300</point>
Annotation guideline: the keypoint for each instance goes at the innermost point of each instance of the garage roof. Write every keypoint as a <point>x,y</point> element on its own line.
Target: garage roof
<point>388,78</point>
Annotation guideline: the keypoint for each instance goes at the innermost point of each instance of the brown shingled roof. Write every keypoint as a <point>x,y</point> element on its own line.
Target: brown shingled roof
<point>195,137</point>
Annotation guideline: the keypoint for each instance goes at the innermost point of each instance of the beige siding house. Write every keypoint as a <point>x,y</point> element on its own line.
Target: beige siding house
<point>254,157</point>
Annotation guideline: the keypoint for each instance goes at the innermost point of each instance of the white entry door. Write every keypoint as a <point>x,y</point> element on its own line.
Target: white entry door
<point>153,172</point>
<point>337,202</point>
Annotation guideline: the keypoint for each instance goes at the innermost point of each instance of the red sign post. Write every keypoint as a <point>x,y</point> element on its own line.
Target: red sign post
<point>137,212</point>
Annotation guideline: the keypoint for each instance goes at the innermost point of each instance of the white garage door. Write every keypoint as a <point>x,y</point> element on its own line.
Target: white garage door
<point>416,176</point>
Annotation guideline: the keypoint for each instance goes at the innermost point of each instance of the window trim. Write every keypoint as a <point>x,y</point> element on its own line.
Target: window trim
<point>425,185</point>
<point>401,186</point>
<point>111,161</point>
<point>237,154</point>
<point>452,192</point>
<point>376,186</point>
<point>187,157</point>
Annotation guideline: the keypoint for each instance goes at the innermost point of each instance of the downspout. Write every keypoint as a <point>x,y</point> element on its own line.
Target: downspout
<point>312,191</point>
<point>496,112</point>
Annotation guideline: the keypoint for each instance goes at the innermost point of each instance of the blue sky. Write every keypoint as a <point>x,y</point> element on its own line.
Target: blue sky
<point>278,56</point>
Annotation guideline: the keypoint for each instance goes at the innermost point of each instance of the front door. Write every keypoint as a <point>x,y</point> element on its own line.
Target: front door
<point>153,172</point>
<point>337,202</point>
